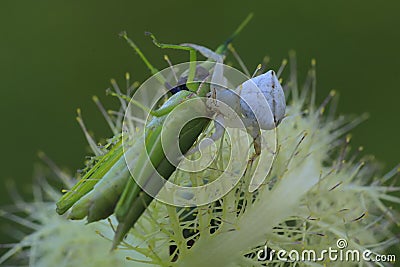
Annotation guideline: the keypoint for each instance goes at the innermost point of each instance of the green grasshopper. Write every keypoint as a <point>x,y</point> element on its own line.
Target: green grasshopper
<point>108,186</point>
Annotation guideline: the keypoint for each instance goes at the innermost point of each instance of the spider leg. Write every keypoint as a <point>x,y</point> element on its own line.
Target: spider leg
<point>205,52</point>
<point>255,132</point>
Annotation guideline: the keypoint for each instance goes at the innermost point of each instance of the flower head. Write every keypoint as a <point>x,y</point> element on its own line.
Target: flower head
<point>318,191</point>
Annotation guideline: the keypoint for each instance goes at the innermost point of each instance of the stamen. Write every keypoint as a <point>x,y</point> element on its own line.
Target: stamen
<point>239,59</point>
<point>166,58</point>
<point>96,150</point>
<point>105,115</point>
<point>57,171</point>
<point>256,71</point>
<point>118,91</point>
<point>282,67</point>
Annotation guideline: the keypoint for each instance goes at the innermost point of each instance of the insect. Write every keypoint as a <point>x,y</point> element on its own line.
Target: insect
<point>108,187</point>
<point>256,104</point>
<point>260,101</point>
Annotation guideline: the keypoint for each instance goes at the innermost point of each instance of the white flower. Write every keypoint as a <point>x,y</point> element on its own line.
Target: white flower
<point>318,191</point>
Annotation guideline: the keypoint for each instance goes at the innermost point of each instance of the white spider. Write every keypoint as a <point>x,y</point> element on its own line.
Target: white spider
<point>259,102</point>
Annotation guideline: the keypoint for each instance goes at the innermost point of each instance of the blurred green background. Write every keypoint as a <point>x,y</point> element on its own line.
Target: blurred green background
<point>54,55</point>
